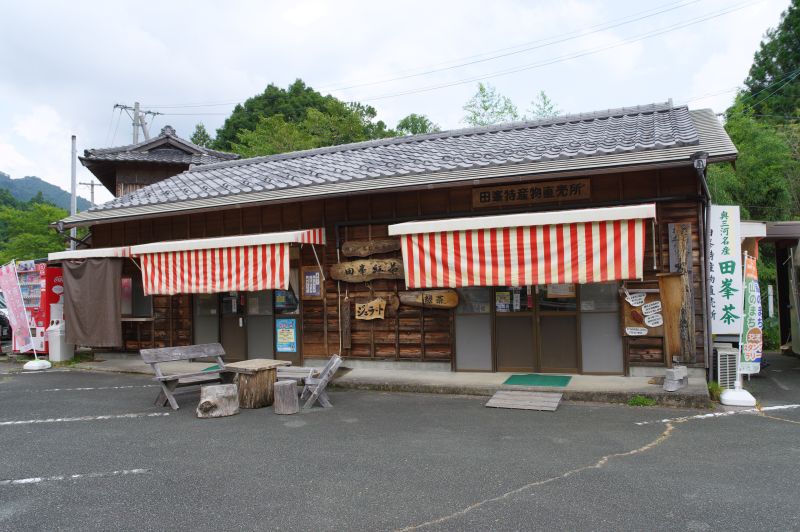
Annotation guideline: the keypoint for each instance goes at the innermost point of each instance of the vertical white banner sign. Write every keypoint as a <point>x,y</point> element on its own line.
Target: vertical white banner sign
<point>725,263</point>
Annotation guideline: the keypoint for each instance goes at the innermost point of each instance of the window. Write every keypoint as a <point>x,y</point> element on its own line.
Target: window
<point>474,300</point>
<point>133,301</point>
<point>600,297</point>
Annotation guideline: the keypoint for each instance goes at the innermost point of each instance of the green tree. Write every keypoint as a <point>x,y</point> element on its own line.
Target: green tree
<point>325,119</point>
<point>25,233</point>
<point>773,84</point>
<point>201,136</point>
<point>764,182</point>
<point>487,107</point>
<point>543,107</point>
<point>272,135</point>
<point>415,124</point>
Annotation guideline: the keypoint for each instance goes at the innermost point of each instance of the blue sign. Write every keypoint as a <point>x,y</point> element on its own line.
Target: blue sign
<point>286,335</point>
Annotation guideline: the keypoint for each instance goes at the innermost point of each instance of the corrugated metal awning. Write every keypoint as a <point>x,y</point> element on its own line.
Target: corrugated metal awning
<point>90,253</point>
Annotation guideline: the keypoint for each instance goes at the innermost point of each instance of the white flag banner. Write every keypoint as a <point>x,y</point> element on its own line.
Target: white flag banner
<point>17,315</point>
<point>725,265</point>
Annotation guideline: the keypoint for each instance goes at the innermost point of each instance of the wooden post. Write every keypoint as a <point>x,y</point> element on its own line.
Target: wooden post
<point>687,302</point>
<point>671,288</point>
<point>218,401</point>
<point>286,401</point>
<point>256,389</point>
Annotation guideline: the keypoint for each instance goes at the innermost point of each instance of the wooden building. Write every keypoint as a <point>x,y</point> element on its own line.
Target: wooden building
<point>541,229</point>
<point>126,169</point>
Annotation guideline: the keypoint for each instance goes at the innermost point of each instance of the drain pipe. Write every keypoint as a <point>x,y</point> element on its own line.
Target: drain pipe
<point>700,162</point>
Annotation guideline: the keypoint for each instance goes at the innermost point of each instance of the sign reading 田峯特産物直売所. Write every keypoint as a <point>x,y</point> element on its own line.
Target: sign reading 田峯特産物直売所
<point>532,193</point>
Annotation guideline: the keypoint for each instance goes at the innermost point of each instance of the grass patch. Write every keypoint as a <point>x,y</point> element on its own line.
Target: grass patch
<point>714,390</point>
<point>77,359</point>
<point>641,400</point>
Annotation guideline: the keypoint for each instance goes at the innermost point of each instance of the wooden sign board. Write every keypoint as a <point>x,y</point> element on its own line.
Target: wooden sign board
<point>430,298</point>
<point>532,193</point>
<point>359,271</point>
<point>365,248</point>
<point>643,315</point>
<point>372,310</point>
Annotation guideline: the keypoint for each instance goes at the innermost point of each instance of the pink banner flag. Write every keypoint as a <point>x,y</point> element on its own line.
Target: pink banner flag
<point>9,284</point>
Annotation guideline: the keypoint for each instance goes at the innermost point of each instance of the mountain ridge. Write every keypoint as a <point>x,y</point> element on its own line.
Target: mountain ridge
<point>28,187</point>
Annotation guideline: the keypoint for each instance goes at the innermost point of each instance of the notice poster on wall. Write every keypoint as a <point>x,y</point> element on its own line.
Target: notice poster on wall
<point>312,283</point>
<point>286,335</point>
<point>725,265</point>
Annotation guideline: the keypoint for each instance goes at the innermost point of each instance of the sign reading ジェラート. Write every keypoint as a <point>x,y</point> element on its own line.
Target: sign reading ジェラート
<point>725,265</point>
<point>372,310</point>
<point>532,193</point>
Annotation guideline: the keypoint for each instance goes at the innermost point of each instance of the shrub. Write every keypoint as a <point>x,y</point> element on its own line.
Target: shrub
<point>641,400</point>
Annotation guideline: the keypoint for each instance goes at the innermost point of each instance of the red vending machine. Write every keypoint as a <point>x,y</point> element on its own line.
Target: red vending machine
<point>42,288</point>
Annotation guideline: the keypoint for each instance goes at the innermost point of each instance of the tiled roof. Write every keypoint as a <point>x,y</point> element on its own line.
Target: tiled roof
<point>618,137</point>
<point>165,148</point>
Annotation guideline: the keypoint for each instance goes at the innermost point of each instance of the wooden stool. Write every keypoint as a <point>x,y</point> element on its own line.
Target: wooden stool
<point>286,401</point>
<point>256,378</point>
<point>218,400</point>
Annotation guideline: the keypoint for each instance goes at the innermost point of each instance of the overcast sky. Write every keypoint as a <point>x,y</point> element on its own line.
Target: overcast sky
<point>63,65</point>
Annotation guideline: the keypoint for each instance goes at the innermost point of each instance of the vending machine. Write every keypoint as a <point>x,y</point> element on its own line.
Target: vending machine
<point>42,288</point>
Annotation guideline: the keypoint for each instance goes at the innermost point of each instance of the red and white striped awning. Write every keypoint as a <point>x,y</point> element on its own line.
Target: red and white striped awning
<point>578,246</point>
<point>211,265</point>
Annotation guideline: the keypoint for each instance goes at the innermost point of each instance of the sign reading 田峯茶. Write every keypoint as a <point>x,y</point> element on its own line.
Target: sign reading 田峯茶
<point>532,193</point>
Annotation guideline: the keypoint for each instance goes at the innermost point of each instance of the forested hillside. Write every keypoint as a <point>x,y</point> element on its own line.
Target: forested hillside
<point>27,188</point>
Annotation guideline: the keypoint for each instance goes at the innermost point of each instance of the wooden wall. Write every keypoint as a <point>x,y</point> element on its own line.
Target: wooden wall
<point>132,177</point>
<point>412,333</point>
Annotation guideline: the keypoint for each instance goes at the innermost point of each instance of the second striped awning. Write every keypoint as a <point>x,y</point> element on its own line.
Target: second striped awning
<point>211,265</point>
<point>578,246</point>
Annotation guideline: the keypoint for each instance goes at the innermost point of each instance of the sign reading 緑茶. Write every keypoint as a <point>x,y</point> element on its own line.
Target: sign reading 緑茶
<point>725,265</point>
<point>752,326</point>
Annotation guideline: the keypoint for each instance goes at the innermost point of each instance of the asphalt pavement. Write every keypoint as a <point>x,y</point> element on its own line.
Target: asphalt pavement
<point>89,451</point>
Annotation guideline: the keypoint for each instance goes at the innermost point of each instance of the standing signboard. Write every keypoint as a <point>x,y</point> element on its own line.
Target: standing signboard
<point>752,326</point>
<point>725,265</point>
<point>16,308</point>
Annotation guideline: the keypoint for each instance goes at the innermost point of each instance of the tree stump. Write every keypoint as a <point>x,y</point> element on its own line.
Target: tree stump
<point>218,400</point>
<point>286,401</point>
<point>256,388</point>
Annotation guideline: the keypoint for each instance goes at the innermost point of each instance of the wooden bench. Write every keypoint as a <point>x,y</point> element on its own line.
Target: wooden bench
<point>169,383</point>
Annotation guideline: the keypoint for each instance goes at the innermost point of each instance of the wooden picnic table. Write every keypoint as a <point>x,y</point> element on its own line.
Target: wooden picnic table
<point>256,378</point>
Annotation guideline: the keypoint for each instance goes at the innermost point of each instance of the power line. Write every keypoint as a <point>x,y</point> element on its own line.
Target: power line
<point>567,57</point>
<point>605,27</point>
<point>540,43</point>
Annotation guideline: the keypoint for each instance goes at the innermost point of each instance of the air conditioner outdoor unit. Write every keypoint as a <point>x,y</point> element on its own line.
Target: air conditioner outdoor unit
<point>726,367</point>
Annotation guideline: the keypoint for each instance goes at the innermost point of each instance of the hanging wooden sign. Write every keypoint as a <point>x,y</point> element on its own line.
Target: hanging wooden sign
<point>365,248</point>
<point>430,298</point>
<point>359,271</point>
<point>372,310</point>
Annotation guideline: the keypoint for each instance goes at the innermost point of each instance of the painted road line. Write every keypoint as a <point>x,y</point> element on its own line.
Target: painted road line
<point>83,418</point>
<point>720,414</point>
<point>40,372</point>
<point>84,389</point>
<point>56,478</point>
<point>779,384</point>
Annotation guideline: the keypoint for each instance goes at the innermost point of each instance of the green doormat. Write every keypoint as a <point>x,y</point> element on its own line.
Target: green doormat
<point>538,379</point>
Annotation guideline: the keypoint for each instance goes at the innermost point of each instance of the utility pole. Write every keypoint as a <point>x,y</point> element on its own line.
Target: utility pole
<point>73,203</point>
<point>91,185</point>
<point>138,118</point>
